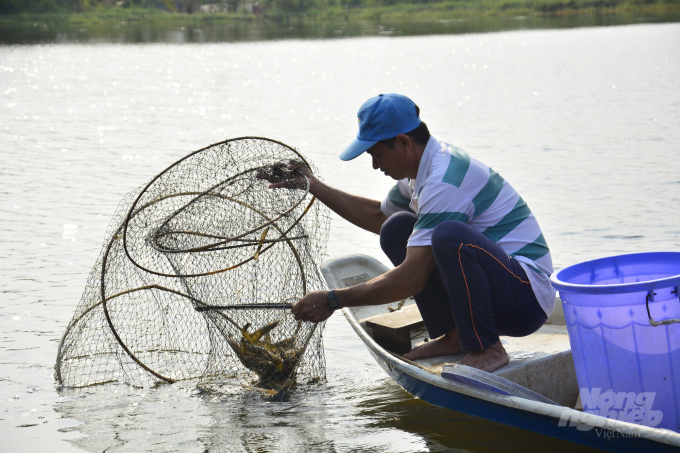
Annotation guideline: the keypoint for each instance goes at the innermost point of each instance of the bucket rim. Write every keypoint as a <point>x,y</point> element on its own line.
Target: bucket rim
<point>619,288</point>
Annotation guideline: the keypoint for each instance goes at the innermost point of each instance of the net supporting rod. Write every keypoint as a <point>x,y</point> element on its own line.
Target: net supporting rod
<point>245,307</point>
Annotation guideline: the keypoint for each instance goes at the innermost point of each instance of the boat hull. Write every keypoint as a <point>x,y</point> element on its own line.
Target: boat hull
<point>602,438</point>
<point>558,422</point>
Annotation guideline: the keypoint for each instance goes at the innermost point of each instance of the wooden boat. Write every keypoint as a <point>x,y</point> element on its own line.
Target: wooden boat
<point>541,363</point>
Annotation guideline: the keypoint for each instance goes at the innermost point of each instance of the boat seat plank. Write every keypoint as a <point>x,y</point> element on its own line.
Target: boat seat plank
<point>392,330</point>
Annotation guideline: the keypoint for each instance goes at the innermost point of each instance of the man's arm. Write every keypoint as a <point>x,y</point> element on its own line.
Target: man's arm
<point>403,281</point>
<point>362,212</point>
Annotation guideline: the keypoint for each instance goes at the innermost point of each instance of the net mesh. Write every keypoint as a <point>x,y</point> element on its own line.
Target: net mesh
<point>198,273</point>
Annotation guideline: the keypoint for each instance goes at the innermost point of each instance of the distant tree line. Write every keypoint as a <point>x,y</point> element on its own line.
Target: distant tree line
<point>186,6</point>
<point>48,6</point>
<point>298,6</point>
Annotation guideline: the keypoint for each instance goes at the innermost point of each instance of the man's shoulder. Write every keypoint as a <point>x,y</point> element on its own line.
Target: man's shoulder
<point>445,146</point>
<point>448,163</point>
<point>453,172</point>
<point>451,164</point>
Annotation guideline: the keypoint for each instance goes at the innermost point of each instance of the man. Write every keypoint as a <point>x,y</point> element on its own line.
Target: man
<point>463,241</point>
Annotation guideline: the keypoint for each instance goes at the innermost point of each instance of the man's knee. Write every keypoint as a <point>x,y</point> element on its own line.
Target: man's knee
<point>396,229</point>
<point>447,236</point>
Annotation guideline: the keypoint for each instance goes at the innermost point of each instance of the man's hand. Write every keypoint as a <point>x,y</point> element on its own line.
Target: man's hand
<point>313,307</point>
<point>282,176</point>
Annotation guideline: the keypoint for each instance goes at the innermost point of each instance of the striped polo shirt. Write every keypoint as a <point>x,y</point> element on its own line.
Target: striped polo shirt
<point>451,185</point>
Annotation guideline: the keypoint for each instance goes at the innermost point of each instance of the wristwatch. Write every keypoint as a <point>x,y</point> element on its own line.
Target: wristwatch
<point>332,301</point>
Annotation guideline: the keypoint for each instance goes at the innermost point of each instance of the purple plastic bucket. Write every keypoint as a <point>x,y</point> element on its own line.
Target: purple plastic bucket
<point>623,318</point>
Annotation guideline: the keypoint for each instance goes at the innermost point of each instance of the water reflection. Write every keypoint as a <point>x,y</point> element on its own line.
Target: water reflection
<point>381,417</point>
<point>177,417</point>
<point>261,30</point>
<point>443,430</point>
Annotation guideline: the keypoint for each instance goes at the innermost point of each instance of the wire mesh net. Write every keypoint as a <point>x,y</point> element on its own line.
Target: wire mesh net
<point>197,276</point>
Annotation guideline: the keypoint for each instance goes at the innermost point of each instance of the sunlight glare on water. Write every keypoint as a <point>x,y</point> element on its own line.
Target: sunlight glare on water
<point>584,123</point>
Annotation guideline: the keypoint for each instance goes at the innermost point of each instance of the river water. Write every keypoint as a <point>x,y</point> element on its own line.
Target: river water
<point>584,122</point>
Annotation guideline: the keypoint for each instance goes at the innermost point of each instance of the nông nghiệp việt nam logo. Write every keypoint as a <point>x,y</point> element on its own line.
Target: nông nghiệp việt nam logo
<point>629,407</point>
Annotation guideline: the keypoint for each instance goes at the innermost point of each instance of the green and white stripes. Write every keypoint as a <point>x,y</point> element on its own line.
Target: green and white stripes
<point>399,200</point>
<point>429,221</point>
<point>457,167</point>
<point>519,213</point>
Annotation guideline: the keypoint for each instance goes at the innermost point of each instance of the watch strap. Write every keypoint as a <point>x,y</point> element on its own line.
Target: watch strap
<point>332,301</point>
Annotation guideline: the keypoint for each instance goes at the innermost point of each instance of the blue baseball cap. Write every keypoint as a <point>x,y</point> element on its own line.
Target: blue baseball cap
<point>382,117</point>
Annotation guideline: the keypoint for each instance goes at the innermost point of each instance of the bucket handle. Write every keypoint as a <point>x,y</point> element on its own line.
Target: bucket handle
<point>650,296</point>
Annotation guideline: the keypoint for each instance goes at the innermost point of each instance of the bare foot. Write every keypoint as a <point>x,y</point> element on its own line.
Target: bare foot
<point>489,359</point>
<point>447,344</point>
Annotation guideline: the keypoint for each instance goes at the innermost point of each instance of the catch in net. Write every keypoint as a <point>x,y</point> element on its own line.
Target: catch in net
<point>198,274</point>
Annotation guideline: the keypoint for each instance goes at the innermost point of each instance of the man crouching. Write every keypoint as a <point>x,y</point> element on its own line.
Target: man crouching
<point>462,240</point>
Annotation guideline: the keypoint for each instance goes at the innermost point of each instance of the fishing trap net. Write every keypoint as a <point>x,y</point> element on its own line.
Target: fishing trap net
<point>197,276</point>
